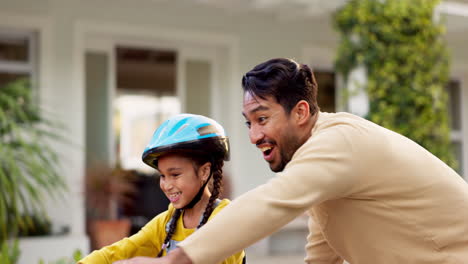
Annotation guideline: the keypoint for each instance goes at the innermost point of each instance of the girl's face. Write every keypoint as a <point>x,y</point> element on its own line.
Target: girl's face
<point>180,180</point>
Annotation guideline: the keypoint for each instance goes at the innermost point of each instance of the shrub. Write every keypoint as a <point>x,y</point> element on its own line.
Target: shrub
<point>407,63</point>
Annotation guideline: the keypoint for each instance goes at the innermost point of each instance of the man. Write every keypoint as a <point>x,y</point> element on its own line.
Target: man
<point>373,195</point>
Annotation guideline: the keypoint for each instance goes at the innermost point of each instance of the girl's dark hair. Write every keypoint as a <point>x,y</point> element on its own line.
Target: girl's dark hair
<point>285,80</point>
<point>198,160</point>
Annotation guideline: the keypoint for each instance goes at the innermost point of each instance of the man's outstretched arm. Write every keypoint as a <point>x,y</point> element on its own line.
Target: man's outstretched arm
<point>323,168</point>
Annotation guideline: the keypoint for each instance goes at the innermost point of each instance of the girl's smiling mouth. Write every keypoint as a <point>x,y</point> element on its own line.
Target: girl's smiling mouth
<point>174,197</point>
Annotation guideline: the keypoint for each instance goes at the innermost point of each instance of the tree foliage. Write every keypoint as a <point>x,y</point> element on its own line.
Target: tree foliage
<point>407,62</point>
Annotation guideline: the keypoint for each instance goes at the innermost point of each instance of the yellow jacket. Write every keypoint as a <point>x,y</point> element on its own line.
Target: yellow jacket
<point>376,197</point>
<point>148,241</point>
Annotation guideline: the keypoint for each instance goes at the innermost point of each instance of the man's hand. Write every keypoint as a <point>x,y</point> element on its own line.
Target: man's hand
<point>177,256</point>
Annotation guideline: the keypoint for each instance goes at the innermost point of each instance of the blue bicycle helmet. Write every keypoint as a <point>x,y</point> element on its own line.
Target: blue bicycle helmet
<point>190,133</point>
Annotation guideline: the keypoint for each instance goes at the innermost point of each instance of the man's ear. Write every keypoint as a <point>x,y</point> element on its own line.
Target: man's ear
<point>301,112</point>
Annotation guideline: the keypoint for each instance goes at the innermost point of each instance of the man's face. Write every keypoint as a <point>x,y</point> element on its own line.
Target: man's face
<point>271,129</point>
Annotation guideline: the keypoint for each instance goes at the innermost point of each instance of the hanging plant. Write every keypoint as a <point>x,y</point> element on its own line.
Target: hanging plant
<point>407,65</point>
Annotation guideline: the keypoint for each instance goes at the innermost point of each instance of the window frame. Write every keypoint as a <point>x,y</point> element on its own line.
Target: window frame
<point>27,67</point>
<point>457,135</point>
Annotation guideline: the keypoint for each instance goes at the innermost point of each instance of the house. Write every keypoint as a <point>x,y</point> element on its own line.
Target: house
<point>166,57</point>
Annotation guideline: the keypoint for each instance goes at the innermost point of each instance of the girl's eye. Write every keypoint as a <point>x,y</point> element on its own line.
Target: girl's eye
<point>262,119</point>
<point>247,123</point>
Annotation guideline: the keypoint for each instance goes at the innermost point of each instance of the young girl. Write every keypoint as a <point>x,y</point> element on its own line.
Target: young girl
<point>189,152</point>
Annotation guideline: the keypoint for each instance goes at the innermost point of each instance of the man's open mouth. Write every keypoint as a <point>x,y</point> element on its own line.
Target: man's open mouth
<point>266,150</point>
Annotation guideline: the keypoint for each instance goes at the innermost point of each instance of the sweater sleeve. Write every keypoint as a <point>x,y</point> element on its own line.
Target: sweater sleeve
<point>146,242</point>
<point>322,169</point>
<point>317,249</point>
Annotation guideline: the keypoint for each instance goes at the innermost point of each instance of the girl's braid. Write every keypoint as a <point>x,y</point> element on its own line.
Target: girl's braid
<point>171,231</point>
<point>217,168</point>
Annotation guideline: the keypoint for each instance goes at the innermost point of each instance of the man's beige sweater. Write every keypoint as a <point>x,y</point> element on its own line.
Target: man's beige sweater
<point>375,196</point>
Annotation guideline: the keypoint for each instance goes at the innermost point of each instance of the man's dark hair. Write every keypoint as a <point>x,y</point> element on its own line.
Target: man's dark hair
<point>285,80</point>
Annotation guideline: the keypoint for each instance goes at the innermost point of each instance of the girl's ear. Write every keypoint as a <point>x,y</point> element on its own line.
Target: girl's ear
<point>204,171</point>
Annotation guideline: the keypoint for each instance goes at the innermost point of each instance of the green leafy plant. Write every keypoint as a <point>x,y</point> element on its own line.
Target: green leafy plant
<point>40,226</point>
<point>28,165</point>
<point>10,252</point>
<point>402,48</point>
<point>77,255</point>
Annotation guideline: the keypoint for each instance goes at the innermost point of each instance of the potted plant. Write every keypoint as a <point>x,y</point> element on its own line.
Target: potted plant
<point>106,190</point>
<point>28,165</point>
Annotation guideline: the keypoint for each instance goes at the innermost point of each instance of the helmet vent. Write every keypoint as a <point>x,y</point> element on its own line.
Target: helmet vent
<point>206,130</point>
<point>180,129</point>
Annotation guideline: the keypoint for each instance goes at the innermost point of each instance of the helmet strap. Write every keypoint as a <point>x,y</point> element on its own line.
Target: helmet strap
<point>197,197</point>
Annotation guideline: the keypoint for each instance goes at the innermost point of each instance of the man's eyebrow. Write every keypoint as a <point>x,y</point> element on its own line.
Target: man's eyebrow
<point>256,109</point>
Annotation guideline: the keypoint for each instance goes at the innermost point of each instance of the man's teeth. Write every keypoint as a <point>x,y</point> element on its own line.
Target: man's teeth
<point>265,149</point>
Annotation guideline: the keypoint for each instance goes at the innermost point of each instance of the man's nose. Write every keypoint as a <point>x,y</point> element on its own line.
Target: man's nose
<point>255,135</point>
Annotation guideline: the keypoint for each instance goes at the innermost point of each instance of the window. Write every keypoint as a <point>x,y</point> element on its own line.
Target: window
<point>455,116</point>
<point>326,95</point>
<point>17,56</point>
<point>146,96</point>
